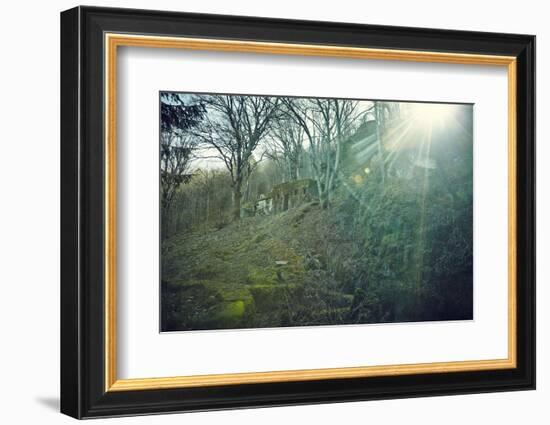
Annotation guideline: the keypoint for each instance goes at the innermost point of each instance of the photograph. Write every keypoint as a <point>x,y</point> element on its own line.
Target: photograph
<point>284,211</point>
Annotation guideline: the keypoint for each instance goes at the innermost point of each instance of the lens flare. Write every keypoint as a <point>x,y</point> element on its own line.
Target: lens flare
<point>428,114</point>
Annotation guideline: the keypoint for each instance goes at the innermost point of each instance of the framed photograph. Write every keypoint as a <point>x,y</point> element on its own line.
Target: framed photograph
<point>261,212</point>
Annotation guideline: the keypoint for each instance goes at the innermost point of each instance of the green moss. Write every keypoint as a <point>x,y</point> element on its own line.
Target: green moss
<point>233,292</point>
<point>261,276</point>
<point>270,297</point>
<point>229,313</point>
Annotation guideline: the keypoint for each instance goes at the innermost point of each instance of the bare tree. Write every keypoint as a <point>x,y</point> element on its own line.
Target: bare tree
<point>326,123</point>
<point>285,147</point>
<point>175,155</point>
<point>234,126</point>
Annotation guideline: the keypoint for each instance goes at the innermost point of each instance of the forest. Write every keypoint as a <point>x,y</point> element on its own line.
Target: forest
<point>288,211</point>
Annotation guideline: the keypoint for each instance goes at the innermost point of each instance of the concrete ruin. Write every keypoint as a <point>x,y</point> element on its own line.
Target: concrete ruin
<point>285,196</point>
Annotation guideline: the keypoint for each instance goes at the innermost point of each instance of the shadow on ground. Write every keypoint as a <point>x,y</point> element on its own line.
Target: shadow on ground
<point>49,402</point>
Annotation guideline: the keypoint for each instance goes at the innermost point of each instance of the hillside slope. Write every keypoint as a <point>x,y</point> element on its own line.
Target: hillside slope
<point>257,272</point>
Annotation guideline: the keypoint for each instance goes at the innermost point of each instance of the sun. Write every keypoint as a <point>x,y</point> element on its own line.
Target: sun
<point>429,114</point>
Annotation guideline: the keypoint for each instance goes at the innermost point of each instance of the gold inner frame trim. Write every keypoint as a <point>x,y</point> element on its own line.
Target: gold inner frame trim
<point>113,41</point>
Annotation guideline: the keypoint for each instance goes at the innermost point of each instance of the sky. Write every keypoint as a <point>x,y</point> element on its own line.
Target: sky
<point>423,113</point>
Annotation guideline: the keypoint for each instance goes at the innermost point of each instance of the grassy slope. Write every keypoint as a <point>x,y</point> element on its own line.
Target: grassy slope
<point>228,277</point>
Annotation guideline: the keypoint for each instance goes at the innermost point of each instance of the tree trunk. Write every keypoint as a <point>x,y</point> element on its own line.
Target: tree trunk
<point>237,196</point>
<point>207,206</point>
<point>379,142</point>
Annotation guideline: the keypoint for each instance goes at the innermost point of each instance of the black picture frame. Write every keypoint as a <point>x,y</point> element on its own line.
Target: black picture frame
<point>83,392</point>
